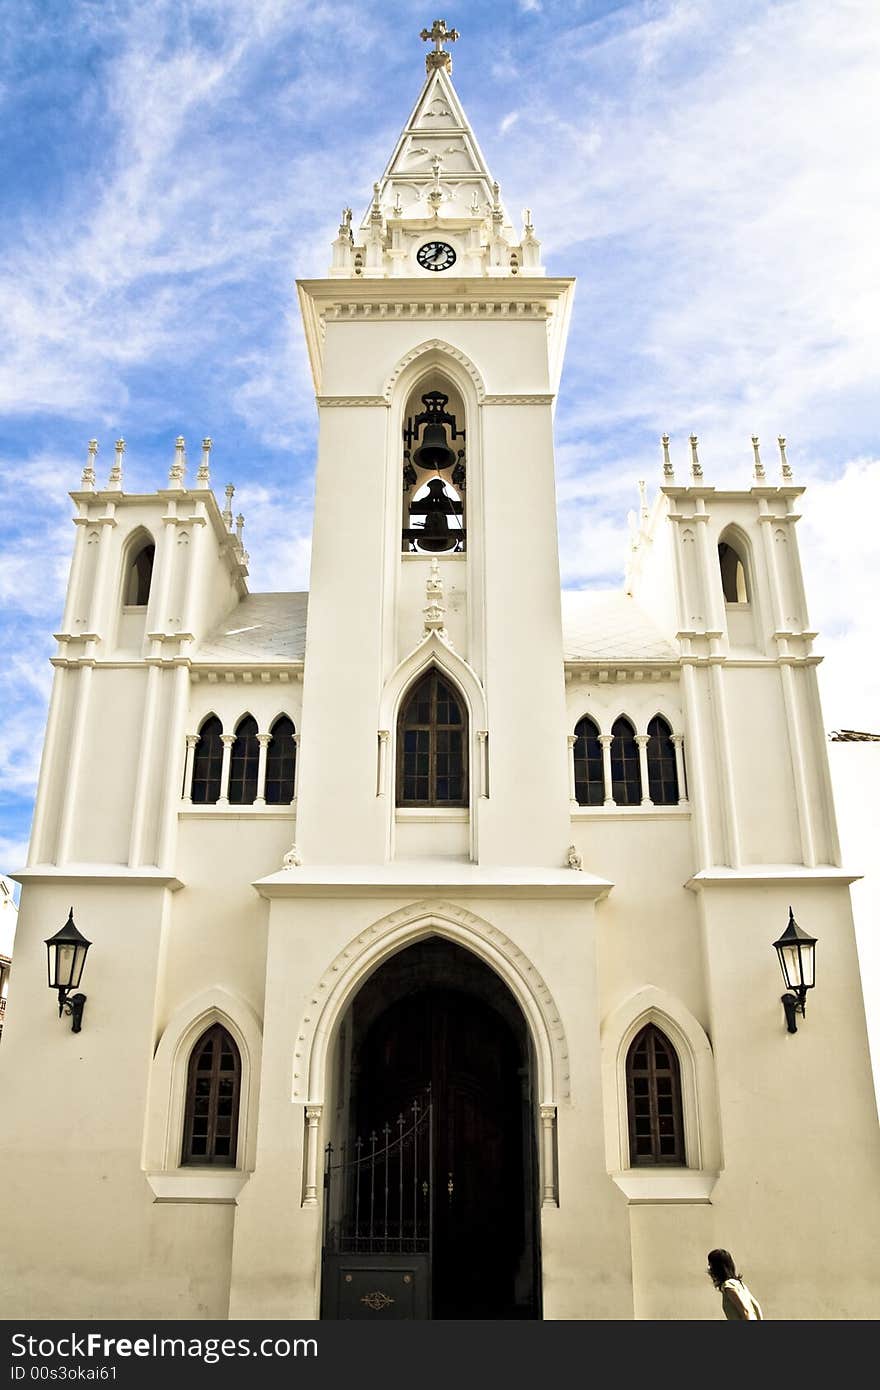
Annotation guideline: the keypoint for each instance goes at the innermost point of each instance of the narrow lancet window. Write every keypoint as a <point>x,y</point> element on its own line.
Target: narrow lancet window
<point>208,763</point>
<point>281,763</point>
<point>733,574</point>
<point>432,746</point>
<point>140,576</point>
<point>589,778</point>
<point>626,775</point>
<point>653,1090</point>
<point>244,763</point>
<point>662,772</point>
<point>213,1088</point>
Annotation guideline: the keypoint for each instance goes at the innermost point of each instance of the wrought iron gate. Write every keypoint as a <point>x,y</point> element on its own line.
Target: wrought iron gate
<point>378,1221</point>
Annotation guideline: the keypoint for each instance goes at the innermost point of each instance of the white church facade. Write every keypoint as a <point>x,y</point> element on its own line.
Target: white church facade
<point>432,912</point>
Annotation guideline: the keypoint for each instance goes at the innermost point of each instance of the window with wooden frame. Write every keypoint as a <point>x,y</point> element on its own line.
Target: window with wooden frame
<point>244,763</point>
<point>662,772</point>
<point>432,746</point>
<point>589,776</point>
<point>653,1094</point>
<point>281,763</point>
<point>208,762</point>
<point>213,1089</point>
<point>626,774</point>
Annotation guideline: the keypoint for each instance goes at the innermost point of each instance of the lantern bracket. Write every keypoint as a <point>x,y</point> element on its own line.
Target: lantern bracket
<point>794,1004</point>
<point>72,1004</point>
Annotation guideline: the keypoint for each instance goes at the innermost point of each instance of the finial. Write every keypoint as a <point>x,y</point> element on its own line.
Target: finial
<point>227,510</point>
<point>668,470</point>
<point>528,226</point>
<point>239,528</point>
<point>345,224</point>
<point>178,467</point>
<point>435,197</point>
<point>787,474</point>
<point>115,479</point>
<point>398,205</point>
<point>696,470</point>
<point>375,210</point>
<point>643,499</point>
<point>87,482</point>
<point>438,35</point>
<point>760,475</point>
<point>475,204</point>
<point>203,477</point>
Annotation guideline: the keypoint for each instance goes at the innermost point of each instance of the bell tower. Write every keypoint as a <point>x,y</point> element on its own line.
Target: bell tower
<point>434,688</point>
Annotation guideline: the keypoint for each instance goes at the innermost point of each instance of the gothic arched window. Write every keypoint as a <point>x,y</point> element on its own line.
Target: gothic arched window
<point>662,772</point>
<point>733,574</point>
<point>432,746</point>
<point>139,575</point>
<point>589,778</point>
<point>208,762</point>
<point>244,763</point>
<point>281,763</point>
<point>653,1093</point>
<point>213,1087</point>
<point>626,776</point>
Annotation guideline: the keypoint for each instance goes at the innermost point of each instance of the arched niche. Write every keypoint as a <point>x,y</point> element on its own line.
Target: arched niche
<point>434,467</point>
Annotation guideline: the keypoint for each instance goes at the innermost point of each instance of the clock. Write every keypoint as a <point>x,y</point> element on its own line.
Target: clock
<point>435,255</point>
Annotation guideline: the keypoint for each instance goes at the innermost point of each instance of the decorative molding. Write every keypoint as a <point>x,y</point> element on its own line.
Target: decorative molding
<point>435,345</point>
<point>540,398</point>
<point>197,1185</point>
<point>365,952</point>
<point>351,400</point>
<point>617,672</point>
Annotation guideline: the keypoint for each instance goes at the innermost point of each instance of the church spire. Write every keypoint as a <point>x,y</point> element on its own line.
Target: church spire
<point>436,191</point>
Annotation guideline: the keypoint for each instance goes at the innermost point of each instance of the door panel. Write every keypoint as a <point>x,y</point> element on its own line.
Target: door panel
<point>483,1212</point>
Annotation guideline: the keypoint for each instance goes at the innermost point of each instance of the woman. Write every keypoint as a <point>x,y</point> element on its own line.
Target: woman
<point>737,1301</point>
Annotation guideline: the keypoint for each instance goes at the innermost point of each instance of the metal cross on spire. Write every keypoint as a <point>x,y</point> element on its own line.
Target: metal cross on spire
<point>439,34</point>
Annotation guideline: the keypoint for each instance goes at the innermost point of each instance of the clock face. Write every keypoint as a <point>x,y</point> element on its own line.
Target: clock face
<point>435,255</point>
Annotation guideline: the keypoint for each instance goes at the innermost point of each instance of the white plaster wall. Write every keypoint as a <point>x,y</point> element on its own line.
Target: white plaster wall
<point>108,768</point>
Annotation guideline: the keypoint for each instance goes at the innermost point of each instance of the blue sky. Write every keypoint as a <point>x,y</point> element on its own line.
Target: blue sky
<point>169,169</point>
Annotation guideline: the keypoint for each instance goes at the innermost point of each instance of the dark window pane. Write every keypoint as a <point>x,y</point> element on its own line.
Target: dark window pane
<point>281,763</point>
<point>244,764</point>
<point>207,763</point>
<point>212,1100</point>
<point>431,743</point>
<point>653,1081</point>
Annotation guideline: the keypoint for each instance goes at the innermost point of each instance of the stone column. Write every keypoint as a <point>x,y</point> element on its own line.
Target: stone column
<point>549,1197</point>
<point>263,740</point>
<point>677,741</point>
<point>606,741</point>
<point>642,742</point>
<point>572,795</point>
<point>313,1119</point>
<point>191,741</point>
<point>227,740</point>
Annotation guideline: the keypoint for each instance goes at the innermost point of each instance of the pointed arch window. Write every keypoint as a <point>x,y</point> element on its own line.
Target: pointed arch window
<point>140,575</point>
<point>589,777</point>
<point>734,581</point>
<point>213,1092</point>
<point>662,772</point>
<point>432,746</point>
<point>208,762</point>
<point>653,1089</point>
<point>281,763</point>
<point>244,763</point>
<point>626,776</point>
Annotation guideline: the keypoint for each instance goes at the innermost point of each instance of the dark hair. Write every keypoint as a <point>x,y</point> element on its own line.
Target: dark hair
<point>721,1267</point>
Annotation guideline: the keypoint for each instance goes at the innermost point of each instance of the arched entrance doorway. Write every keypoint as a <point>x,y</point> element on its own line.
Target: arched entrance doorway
<point>431,1206</point>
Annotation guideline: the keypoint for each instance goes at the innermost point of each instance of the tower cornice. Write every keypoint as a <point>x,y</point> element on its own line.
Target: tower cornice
<point>449,301</point>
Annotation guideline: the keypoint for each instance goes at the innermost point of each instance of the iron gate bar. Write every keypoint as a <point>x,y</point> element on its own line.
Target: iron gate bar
<point>343,1230</point>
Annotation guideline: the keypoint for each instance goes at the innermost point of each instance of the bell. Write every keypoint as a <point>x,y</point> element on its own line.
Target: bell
<point>434,453</point>
<point>436,535</point>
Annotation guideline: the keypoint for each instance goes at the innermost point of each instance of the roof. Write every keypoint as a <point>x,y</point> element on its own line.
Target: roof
<point>263,627</point>
<point>597,625</point>
<point>852,736</point>
<point>608,625</point>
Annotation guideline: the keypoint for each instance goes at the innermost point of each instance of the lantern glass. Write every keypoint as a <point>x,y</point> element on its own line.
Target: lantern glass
<point>66,952</point>
<point>797,956</point>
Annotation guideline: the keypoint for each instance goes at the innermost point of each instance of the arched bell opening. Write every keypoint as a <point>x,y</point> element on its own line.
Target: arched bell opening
<point>434,470</point>
<point>431,1184</point>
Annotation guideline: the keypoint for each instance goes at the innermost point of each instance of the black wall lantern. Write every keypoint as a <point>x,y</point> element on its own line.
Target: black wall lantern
<point>796,950</point>
<point>67,951</point>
